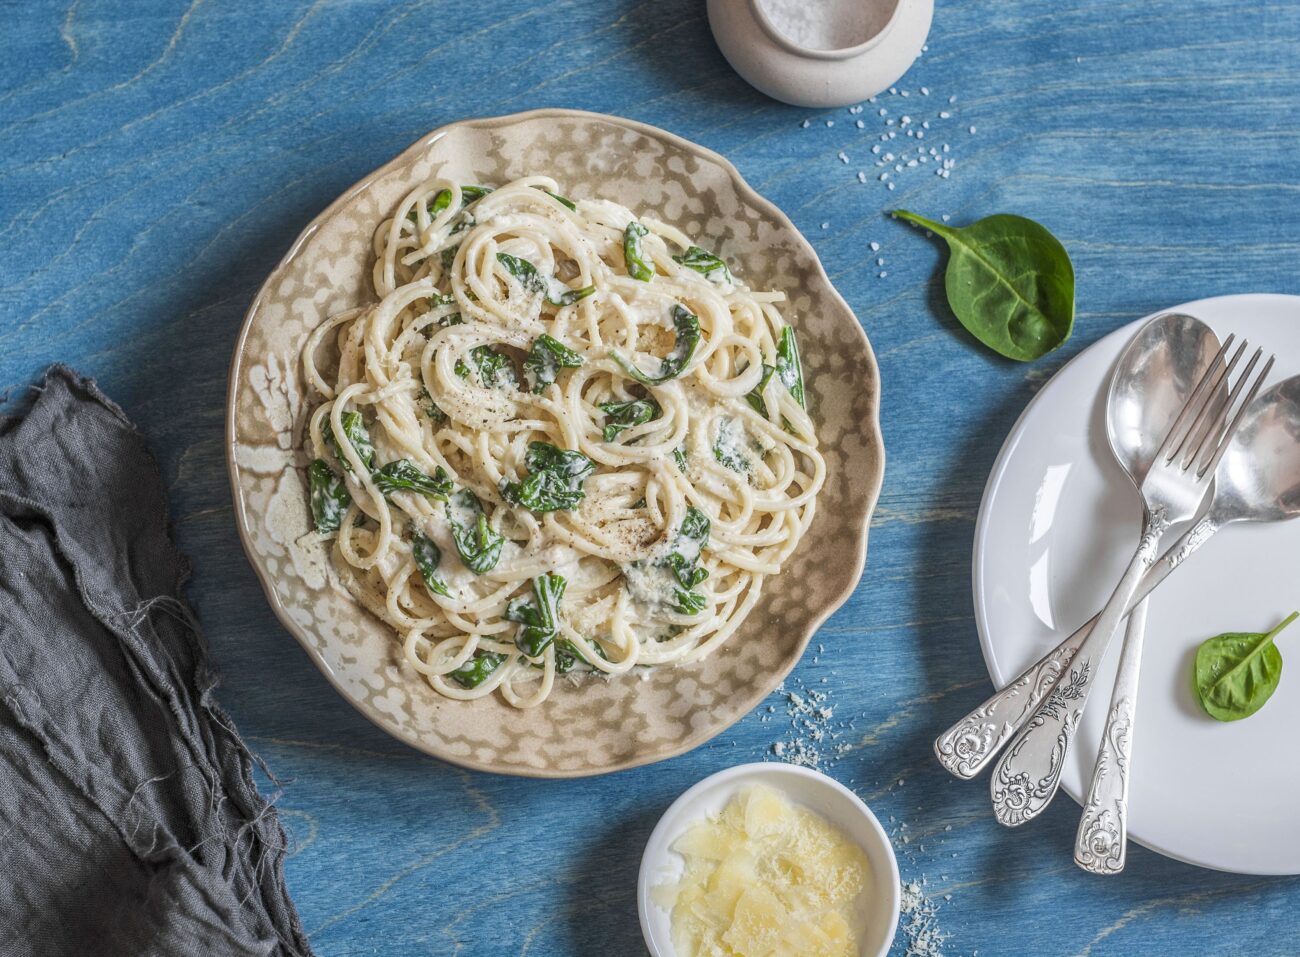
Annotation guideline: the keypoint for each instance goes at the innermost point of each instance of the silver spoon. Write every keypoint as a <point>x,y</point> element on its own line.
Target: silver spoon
<point>1153,379</point>
<point>1240,495</point>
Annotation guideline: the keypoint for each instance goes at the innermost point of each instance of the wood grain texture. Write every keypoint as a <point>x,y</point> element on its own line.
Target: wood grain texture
<point>156,160</point>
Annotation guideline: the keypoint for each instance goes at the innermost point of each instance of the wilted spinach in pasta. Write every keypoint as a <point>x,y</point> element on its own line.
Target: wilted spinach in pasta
<point>572,440</point>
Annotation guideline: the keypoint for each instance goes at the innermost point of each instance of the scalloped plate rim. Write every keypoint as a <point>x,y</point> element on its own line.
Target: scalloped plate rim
<point>873,434</point>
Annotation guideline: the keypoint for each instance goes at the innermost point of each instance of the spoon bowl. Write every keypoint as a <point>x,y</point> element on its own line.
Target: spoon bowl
<point>1258,479</point>
<point>1152,381</point>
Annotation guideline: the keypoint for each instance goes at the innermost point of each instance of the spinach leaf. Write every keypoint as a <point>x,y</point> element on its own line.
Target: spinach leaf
<point>687,326</point>
<point>755,395</point>
<point>479,546</point>
<point>524,271</point>
<point>448,256</point>
<point>568,654</point>
<point>693,536</point>
<point>547,357</point>
<point>495,368</point>
<point>620,416</point>
<point>634,255</point>
<point>704,263</point>
<point>533,281</point>
<point>1236,673</point>
<point>688,602</point>
<point>569,296</point>
<point>477,669</point>
<point>538,616</point>
<point>330,497</point>
<point>1009,282</point>
<point>442,199</point>
<point>554,480</point>
<point>354,430</point>
<point>567,203</point>
<point>684,560</point>
<point>728,446</point>
<point>788,367</point>
<point>468,195</point>
<point>404,476</point>
<point>428,557</point>
<point>447,319</point>
<point>682,568</point>
<point>679,455</point>
<point>430,408</point>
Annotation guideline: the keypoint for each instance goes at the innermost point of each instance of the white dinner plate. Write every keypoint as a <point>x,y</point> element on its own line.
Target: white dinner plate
<point>1059,521</point>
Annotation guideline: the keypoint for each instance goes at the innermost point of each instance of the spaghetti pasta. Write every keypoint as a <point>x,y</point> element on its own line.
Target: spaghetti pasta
<point>564,440</point>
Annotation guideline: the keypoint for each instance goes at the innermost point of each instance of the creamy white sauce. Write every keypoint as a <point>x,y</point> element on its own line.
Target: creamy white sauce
<point>452,572</point>
<point>650,585</point>
<point>688,548</point>
<point>731,440</point>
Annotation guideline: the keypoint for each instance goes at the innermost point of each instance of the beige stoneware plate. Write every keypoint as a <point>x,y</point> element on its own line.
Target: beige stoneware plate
<point>596,726</point>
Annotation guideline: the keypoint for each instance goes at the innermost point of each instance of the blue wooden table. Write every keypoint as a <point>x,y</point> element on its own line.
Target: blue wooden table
<point>157,159</point>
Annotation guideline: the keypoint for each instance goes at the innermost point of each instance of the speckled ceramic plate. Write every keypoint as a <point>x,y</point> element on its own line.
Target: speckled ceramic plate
<point>595,726</point>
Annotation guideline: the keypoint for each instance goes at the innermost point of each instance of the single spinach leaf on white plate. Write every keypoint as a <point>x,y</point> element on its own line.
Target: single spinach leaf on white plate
<point>1237,672</point>
<point>1009,282</point>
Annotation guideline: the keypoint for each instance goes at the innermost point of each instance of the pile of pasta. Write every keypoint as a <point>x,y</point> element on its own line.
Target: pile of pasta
<point>564,440</point>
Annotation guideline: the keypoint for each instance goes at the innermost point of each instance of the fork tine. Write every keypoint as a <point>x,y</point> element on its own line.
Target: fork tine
<point>1225,438</point>
<point>1194,403</point>
<point>1212,424</point>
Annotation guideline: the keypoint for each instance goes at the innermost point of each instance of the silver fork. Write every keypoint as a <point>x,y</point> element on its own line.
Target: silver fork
<point>1029,773</point>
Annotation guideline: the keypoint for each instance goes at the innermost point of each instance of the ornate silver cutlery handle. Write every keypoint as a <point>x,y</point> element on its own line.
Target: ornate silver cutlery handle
<point>1101,843</point>
<point>966,747</point>
<point>970,744</point>
<point>1028,774</point>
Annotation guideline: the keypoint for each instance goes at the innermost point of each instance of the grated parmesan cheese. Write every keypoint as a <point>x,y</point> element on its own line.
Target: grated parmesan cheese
<point>766,877</point>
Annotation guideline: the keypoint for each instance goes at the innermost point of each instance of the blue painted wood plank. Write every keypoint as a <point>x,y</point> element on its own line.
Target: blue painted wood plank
<point>156,159</point>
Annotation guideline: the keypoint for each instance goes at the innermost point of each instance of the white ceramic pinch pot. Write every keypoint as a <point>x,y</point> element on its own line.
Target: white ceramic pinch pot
<point>783,49</point>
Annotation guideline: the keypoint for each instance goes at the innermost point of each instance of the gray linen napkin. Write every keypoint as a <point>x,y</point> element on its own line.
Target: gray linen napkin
<point>129,820</point>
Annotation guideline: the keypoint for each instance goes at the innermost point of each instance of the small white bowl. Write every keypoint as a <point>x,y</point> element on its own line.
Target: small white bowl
<point>813,790</point>
<point>803,76</point>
